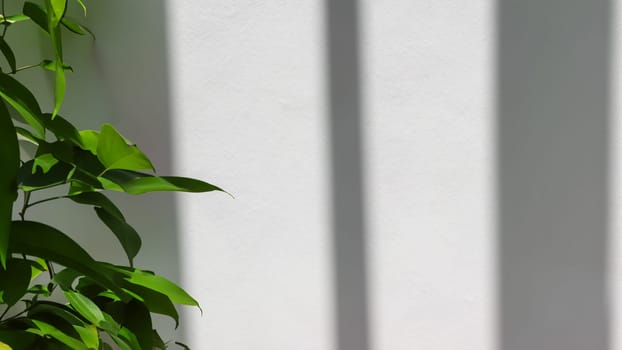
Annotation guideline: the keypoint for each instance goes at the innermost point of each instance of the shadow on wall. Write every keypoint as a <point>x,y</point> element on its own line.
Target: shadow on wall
<point>553,151</point>
<point>349,232</point>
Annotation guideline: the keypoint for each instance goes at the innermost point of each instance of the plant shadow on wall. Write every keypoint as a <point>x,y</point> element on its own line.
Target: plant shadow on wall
<point>53,294</point>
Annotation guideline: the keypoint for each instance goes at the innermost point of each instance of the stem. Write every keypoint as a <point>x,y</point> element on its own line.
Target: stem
<point>44,200</point>
<point>25,205</point>
<point>27,67</point>
<point>6,24</point>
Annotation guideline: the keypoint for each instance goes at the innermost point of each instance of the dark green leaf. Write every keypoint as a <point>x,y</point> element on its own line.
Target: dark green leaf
<point>134,182</point>
<point>57,175</point>
<point>136,317</point>
<point>62,129</point>
<point>158,343</point>
<point>8,54</point>
<point>114,152</point>
<point>99,200</point>
<point>37,14</point>
<point>184,346</point>
<point>127,236</point>
<point>37,239</point>
<point>18,339</point>
<point>14,280</point>
<point>27,135</point>
<point>20,98</point>
<point>45,309</point>
<point>9,158</point>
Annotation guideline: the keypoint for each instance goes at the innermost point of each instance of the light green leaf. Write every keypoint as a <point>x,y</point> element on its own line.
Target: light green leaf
<point>8,54</point>
<point>133,182</point>
<point>127,236</point>
<point>85,307</point>
<point>56,9</point>
<point>9,158</point>
<point>14,18</point>
<point>45,162</point>
<point>44,328</point>
<point>37,14</point>
<point>90,139</point>
<point>159,284</point>
<point>89,336</point>
<point>115,153</point>
<point>81,3</point>
<point>20,98</point>
<point>14,280</point>
<point>59,83</point>
<point>4,346</point>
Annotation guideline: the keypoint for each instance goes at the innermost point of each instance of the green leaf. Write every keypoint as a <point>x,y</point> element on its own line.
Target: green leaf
<point>46,309</point>
<point>9,158</point>
<point>51,66</point>
<point>57,175</point>
<point>159,284</point>
<point>158,343</point>
<point>89,336</point>
<point>37,239</point>
<point>62,129</point>
<point>8,54</point>
<point>133,182</point>
<point>18,339</point>
<point>44,328</point>
<point>90,139</point>
<point>127,236</point>
<point>27,135</point>
<point>59,82</point>
<point>76,27</point>
<point>184,346</point>
<point>115,153</point>
<point>4,346</point>
<point>99,200</point>
<point>85,307</point>
<point>135,316</point>
<point>14,280</point>
<point>37,14</point>
<point>45,162</point>
<point>20,98</point>
<point>14,19</point>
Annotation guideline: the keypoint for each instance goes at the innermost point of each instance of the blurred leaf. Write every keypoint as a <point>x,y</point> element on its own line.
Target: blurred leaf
<point>8,54</point>
<point>45,162</point>
<point>127,236</point>
<point>14,18</point>
<point>81,3</point>
<point>44,328</point>
<point>14,280</point>
<point>51,65</point>
<point>138,321</point>
<point>66,277</point>
<point>85,307</point>
<point>18,339</point>
<point>76,27</point>
<point>62,129</point>
<point>115,153</point>
<point>134,182</point>
<point>9,158</point>
<point>37,14</point>
<point>20,98</point>
<point>158,343</point>
<point>183,346</point>
<point>99,200</point>
<point>4,346</point>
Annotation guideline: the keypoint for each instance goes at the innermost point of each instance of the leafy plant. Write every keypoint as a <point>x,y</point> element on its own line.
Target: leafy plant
<point>102,304</point>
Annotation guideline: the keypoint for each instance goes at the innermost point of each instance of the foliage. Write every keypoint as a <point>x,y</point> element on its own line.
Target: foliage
<point>102,303</point>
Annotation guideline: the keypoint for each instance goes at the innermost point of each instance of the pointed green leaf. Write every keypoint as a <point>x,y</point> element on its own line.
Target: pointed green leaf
<point>37,14</point>
<point>27,135</point>
<point>89,336</point>
<point>134,182</point>
<point>44,328</point>
<point>127,236</point>
<point>76,27</point>
<point>99,200</point>
<point>43,309</point>
<point>8,54</point>
<point>62,129</point>
<point>159,284</point>
<point>85,307</point>
<point>9,158</point>
<point>81,3</point>
<point>90,139</point>
<point>59,83</point>
<point>20,98</point>
<point>115,153</point>
<point>14,280</point>
<point>15,18</point>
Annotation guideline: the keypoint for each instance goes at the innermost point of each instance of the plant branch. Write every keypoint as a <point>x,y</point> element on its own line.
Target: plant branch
<point>44,200</point>
<point>22,212</point>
